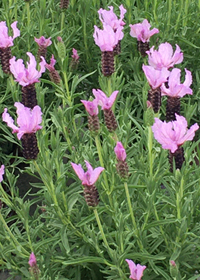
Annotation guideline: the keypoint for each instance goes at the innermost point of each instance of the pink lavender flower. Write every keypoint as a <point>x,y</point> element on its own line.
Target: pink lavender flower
<point>106,39</point>
<point>59,39</point>
<point>28,120</point>
<point>155,77</point>
<point>75,55</point>
<point>110,18</point>
<point>173,134</point>
<point>135,270</point>
<point>175,88</point>
<point>120,151</point>
<point>32,260</point>
<point>164,57</point>
<point>104,101</point>
<point>26,76</point>
<point>91,107</point>
<point>7,41</point>
<point>89,177</point>
<point>142,31</point>
<point>50,66</point>
<point>43,42</point>
<point>1,173</point>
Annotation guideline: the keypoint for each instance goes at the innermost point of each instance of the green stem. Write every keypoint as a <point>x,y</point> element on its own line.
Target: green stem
<point>155,11</point>
<point>179,14</point>
<point>62,20</point>
<point>67,88</point>
<point>102,232</point>
<point>107,189</point>
<point>99,149</point>
<point>169,15</point>
<point>28,13</point>
<point>132,215</point>
<point>186,3</point>
<point>128,5</point>
<point>150,146</point>
<point>179,196</point>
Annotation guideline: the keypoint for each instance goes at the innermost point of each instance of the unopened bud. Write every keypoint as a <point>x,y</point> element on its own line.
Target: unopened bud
<point>173,269</point>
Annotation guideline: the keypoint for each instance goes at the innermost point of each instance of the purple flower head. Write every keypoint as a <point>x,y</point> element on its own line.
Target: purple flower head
<point>60,39</point>
<point>164,57</point>
<point>104,101</point>
<point>1,173</point>
<point>120,152</point>
<point>75,55</point>
<point>135,270</point>
<point>173,134</point>
<point>175,88</point>
<point>43,42</point>
<point>155,77</point>
<point>28,120</point>
<point>106,39</point>
<point>91,107</point>
<point>172,263</point>
<point>50,66</point>
<point>7,41</point>
<point>32,260</point>
<point>26,76</point>
<point>142,31</point>
<point>110,18</point>
<point>89,177</point>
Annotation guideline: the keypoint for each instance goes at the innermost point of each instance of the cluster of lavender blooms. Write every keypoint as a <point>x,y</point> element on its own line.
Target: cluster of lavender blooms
<point>27,77</point>
<point>164,82</point>
<point>108,39</point>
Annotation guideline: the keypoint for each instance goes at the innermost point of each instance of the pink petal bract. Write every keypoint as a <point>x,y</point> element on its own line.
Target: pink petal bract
<point>90,176</point>
<point>10,122</point>
<point>91,107</point>
<point>2,172</point>
<point>175,88</point>
<point>32,260</point>
<point>106,39</point>
<point>26,76</point>
<point>43,42</point>
<point>163,57</point>
<point>136,271</point>
<point>120,151</point>
<point>104,101</point>
<point>173,134</point>
<point>6,40</point>
<point>155,77</point>
<point>142,31</point>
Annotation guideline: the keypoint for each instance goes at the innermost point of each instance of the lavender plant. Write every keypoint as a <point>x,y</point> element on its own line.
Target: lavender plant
<point>136,214</point>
